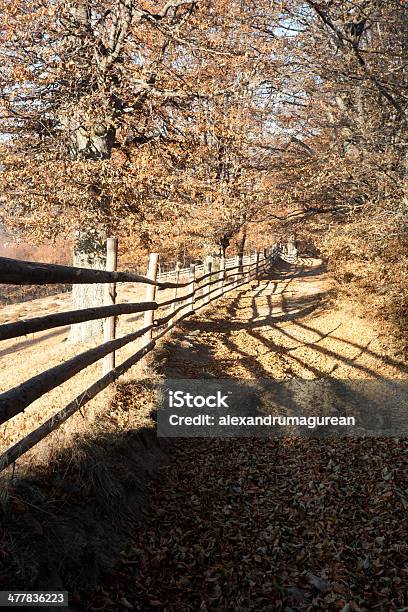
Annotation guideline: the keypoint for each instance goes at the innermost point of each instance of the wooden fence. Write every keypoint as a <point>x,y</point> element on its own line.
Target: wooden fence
<point>193,288</point>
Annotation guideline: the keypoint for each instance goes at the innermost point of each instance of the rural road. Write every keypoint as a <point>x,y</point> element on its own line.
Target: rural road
<point>266,524</point>
<point>243,524</point>
<point>282,327</point>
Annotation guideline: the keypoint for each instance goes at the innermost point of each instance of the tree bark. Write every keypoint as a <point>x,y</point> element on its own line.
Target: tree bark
<point>241,248</point>
<point>90,241</point>
<point>90,138</point>
<point>89,252</point>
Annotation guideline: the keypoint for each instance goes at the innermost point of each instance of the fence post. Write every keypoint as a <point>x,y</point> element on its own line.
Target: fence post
<point>252,260</point>
<point>150,297</point>
<point>109,324</point>
<point>260,261</point>
<point>191,286</point>
<point>177,279</point>
<point>257,254</point>
<point>237,272</point>
<point>221,276</point>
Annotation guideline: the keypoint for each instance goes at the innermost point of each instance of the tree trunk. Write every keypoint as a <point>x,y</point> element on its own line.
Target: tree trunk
<point>224,244</point>
<point>89,252</point>
<point>241,248</point>
<point>90,139</point>
<point>291,246</point>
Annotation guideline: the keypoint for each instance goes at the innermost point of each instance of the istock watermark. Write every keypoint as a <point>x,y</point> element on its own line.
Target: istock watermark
<point>287,408</point>
<point>181,399</point>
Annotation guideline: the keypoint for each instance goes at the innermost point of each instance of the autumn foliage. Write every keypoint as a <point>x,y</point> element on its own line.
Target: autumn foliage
<point>184,125</point>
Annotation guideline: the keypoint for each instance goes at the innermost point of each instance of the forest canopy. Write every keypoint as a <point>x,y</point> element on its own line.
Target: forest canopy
<point>127,118</point>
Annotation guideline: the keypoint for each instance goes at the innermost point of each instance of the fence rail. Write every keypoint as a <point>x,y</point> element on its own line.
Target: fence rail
<point>200,291</point>
<point>16,272</point>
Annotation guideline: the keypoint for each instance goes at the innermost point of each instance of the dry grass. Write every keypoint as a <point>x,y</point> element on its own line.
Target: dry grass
<point>14,294</point>
<point>368,263</point>
<point>22,358</point>
<point>64,511</point>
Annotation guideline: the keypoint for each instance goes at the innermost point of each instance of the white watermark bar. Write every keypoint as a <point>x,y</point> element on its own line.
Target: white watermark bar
<point>288,408</point>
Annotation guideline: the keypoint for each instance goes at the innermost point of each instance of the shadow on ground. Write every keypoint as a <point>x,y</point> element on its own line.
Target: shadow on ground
<point>248,524</point>
<point>59,525</point>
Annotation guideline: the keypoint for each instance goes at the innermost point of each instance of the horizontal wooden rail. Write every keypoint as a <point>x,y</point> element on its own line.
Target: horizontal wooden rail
<point>21,447</point>
<point>213,272</point>
<point>182,272</point>
<point>16,272</point>
<point>15,400</point>
<point>27,326</point>
<point>231,284</point>
<point>30,326</point>
<point>211,282</point>
<point>163,320</point>
<point>239,267</point>
<point>204,276</point>
<point>217,280</point>
<point>199,279</point>
<point>173,324</point>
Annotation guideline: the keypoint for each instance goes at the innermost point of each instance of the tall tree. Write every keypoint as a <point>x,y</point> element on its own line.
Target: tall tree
<point>86,85</point>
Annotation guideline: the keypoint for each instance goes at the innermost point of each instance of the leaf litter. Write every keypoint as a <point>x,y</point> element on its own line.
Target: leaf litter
<point>265,524</point>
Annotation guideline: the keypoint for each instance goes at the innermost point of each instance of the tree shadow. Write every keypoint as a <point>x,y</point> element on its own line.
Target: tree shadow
<point>388,360</point>
<point>90,501</point>
<point>300,308</point>
<point>277,309</point>
<point>33,341</point>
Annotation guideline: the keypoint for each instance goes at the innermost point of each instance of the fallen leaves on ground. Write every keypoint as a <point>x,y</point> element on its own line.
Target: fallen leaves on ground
<point>270,525</point>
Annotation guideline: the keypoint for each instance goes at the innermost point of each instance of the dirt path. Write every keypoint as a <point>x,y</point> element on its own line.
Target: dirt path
<point>281,329</point>
<point>265,525</point>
